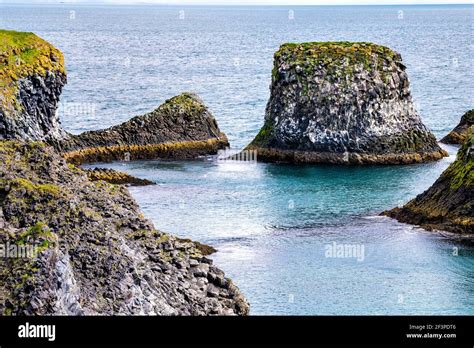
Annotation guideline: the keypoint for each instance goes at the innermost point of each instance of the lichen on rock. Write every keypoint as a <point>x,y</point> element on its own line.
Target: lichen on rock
<point>448,204</point>
<point>96,253</point>
<point>459,134</point>
<point>342,102</point>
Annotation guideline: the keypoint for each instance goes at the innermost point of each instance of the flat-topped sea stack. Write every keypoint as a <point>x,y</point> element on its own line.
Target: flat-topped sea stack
<point>343,103</point>
<point>181,128</point>
<point>460,133</point>
<point>32,76</point>
<point>448,204</point>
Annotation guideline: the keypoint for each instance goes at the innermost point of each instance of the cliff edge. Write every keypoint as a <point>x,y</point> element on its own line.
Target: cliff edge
<point>32,76</point>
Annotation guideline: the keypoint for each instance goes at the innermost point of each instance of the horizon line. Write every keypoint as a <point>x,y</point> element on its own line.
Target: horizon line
<point>225,4</point>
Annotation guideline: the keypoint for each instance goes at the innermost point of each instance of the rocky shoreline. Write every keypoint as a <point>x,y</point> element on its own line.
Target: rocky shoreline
<point>95,251</point>
<point>115,177</point>
<point>92,250</point>
<point>342,103</point>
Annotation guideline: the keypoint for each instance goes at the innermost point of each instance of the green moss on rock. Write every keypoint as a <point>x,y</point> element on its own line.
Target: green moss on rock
<point>449,203</point>
<point>23,54</point>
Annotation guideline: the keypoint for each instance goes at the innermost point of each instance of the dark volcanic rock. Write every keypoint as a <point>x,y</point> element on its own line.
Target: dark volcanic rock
<point>182,127</point>
<point>342,102</point>
<point>459,134</point>
<point>449,203</point>
<point>95,252</point>
<point>32,76</point>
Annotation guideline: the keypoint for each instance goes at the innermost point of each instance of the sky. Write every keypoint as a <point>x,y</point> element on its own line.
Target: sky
<point>251,2</point>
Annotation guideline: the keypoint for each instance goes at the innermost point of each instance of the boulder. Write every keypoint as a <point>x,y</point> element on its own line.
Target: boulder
<point>344,103</point>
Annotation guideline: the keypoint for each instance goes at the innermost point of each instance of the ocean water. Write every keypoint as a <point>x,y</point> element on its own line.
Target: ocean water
<point>274,224</point>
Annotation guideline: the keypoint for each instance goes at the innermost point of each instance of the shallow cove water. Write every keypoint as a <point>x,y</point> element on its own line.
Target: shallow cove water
<point>272,223</point>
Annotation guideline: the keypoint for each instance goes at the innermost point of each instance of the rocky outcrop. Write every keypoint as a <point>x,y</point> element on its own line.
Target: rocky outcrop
<point>342,102</point>
<point>94,252</point>
<point>32,76</point>
<point>459,134</point>
<point>182,127</point>
<point>448,204</point>
<point>115,177</point>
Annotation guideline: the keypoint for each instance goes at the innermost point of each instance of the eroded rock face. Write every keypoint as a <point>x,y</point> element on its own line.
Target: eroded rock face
<point>96,253</point>
<point>182,127</point>
<point>459,134</point>
<point>449,203</point>
<point>342,102</point>
<point>32,76</point>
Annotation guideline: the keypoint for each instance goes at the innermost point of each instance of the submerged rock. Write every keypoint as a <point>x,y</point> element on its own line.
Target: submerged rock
<point>115,177</point>
<point>94,252</point>
<point>342,102</point>
<point>182,127</point>
<point>449,203</point>
<point>32,76</point>
<point>459,134</point>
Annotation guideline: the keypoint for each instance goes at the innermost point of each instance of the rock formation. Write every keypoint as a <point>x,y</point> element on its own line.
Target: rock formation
<point>32,76</point>
<point>342,102</point>
<point>449,203</point>
<point>459,134</point>
<point>182,127</point>
<point>72,246</point>
<point>94,252</point>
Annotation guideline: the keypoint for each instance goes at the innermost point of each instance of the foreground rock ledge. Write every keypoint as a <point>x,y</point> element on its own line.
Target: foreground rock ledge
<point>344,103</point>
<point>448,204</point>
<point>96,253</point>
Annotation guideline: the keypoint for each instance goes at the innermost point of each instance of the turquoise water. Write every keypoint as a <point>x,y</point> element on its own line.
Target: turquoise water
<point>272,225</point>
